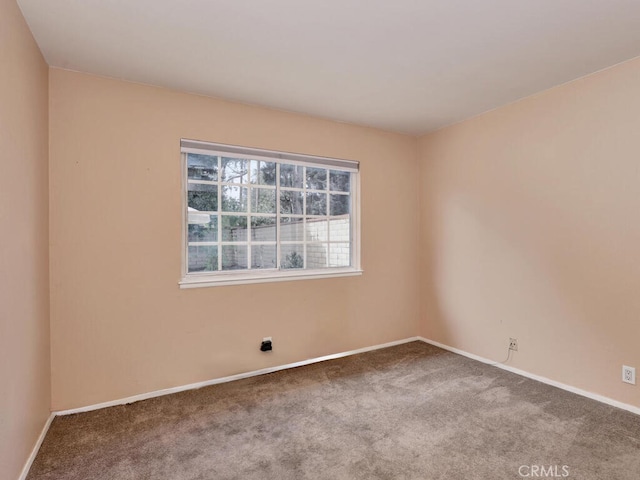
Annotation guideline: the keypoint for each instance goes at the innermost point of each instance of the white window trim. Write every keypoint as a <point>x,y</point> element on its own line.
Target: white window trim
<point>234,277</point>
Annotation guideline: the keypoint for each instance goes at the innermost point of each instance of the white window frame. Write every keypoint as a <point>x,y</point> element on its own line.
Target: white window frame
<point>237,277</point>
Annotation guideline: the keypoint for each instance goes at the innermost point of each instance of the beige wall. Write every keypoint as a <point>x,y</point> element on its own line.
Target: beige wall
<point>24,227</point>
<point>120,324</point>
<point>528,229</point>
<point>529,220</point>
<point>531,229</point>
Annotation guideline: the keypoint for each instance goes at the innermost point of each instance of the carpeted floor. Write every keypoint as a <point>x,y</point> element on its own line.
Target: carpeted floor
<point>407,412</point>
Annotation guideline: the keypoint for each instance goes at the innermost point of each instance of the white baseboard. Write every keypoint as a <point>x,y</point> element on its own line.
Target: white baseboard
<point>192,386</point>
<point>548,381</point>
<point>231,378</point>
<point>36,448</point>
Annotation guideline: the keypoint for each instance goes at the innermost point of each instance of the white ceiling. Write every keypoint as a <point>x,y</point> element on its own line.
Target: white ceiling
<point>404,65</point>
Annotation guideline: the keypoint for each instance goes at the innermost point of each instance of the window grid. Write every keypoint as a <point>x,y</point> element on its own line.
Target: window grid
<point>306,219</point>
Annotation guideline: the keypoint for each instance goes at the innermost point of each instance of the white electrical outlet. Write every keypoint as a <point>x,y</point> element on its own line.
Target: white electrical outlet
<point>513,344</point>
<point>629,375</point>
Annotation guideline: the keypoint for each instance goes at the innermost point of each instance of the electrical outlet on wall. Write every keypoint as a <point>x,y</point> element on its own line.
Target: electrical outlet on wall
<point>266,345</point>
<point>628,374</point>
<point>513,344</point>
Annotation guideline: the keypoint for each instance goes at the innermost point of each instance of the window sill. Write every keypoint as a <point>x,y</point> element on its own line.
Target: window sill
<point>232,278</point>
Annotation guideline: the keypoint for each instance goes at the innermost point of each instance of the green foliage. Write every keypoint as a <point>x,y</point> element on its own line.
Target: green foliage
<point>266,173</point>
<point>316,178</point>
<point>230,204</point>
<point>263,200</point>
<point>204,201</point>
<point>261,221</point>
<point>339,181</point>
<point>291,176</point>
<point>203,232</point>
<point>291,202</point>
<point>293,260</point>
<point>202,167</point>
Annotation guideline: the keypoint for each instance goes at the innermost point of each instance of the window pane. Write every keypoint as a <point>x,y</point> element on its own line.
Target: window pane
<point>234,199</point>
<point>263,173</point>
<point>203,227</point>
<point>340,229</point>
<point>316,178</point>
<point>202,167</point>
<point>317,254</point>
<point>291,202</point>
<point>263,200</point>
<point>203,258</point>
<point>263,229</point>
<point>250,211</point>
<point>316,204</point>
<point>203,198</point>
<point>317,229</point>
<point>292,256</point>
<point>234,229</point>
<point>339,181</point>
<point>235,170</point>
<point>340,204</point>
<point>339,255</point>
<point>263,256</point>
<point>234,257</point>
<point>291,175</point>
<point>291,229</point>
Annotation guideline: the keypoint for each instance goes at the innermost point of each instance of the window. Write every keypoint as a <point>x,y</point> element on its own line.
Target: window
<point>258,215</point>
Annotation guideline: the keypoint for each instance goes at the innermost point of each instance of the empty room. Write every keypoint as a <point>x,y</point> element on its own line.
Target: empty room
<point>319,239</point>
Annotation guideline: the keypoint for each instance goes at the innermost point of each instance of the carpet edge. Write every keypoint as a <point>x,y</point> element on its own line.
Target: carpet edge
<point>36,447</point>
<point>523,373</point>
<point>230,378</point>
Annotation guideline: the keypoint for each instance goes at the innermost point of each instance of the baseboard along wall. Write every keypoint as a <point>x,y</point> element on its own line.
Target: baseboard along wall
<point>231,378</point>
<point>548,381</point>
<point>36,447</point>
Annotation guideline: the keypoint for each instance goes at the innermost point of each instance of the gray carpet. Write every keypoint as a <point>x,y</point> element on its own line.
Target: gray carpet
<point>407,412</point>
